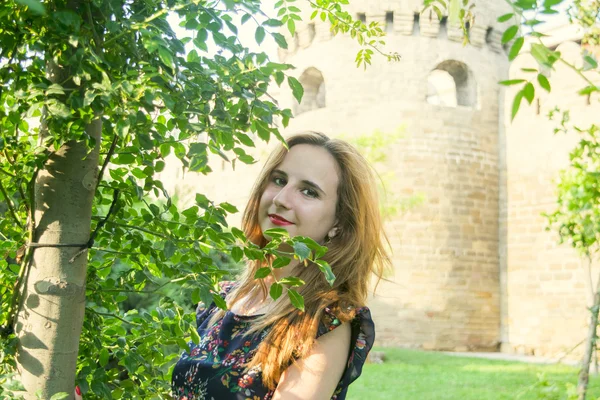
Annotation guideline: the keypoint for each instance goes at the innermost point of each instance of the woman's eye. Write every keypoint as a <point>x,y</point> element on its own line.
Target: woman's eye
<point>279,181</point>
<point>310,193</point>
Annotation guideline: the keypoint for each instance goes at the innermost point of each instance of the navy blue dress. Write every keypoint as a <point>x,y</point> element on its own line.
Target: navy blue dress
<point>214,369</point>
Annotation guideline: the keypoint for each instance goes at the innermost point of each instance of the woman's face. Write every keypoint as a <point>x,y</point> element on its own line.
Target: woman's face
<point>301,195</point>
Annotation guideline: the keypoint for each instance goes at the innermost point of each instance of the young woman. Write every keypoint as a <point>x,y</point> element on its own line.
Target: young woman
<point>264,349</point>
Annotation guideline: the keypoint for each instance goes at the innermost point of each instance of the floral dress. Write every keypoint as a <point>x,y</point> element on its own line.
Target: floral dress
<point>214,368</point>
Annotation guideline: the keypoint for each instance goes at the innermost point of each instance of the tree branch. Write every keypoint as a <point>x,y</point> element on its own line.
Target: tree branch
<point>97,39</point>
<point>123,253</point>
<point>10,206</point>
<point>139,25</point>
<point>113,316</point>
<point>113,145</point>
<point>389,56</point>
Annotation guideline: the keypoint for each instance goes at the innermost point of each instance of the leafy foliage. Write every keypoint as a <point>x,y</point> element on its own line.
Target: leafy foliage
<point>577,218</point>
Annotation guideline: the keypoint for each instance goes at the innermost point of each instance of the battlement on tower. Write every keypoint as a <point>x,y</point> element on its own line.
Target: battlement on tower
<point>405,18</point>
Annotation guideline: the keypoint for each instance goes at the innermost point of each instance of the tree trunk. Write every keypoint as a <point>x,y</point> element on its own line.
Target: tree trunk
<point>589,345</point>
<point>52,296</point>
<point>52,302</point>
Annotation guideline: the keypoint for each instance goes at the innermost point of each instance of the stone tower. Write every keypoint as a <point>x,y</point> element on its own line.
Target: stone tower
<point>445,290</point>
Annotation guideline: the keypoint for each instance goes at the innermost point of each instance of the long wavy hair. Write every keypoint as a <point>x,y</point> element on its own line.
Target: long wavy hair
<point>356,253</point>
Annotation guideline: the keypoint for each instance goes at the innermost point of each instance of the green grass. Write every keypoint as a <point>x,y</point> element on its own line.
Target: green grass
<point>419,375</point>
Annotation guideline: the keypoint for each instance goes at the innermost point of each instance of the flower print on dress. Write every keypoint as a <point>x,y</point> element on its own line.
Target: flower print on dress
<point>245,381</point>
<point>361,341</point>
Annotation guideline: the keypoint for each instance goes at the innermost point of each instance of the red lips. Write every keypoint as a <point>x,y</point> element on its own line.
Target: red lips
<point>279,220</point>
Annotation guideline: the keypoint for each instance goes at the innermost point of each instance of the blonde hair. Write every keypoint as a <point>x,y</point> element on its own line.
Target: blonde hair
<point>355,253</point>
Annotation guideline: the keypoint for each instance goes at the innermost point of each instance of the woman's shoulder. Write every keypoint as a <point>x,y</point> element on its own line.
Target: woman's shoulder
<point>362,337</point>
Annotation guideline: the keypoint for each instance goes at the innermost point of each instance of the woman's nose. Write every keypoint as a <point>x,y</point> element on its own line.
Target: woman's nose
<point>282,199</point>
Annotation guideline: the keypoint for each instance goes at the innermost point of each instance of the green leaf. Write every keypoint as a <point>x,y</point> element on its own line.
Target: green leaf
<point>454,12</point>
<point>237,254</point>
<point>589,90</point>
<point>280,40</point>
<point>516,104</point>
<point>35,6</point>
<point>512,82</point>
<point>529,92</point>
<point>103,358</point>
<point>326,269</point>
<point>194,335</point>
<point>259,35</point>
<point>262,273</point>
<point>232,27</point>
<point>196,296</point>
<point>543,81</point>
<point>301,250</point>
<point>509,34</point>
<point>219,301</point>
<point>291,25</point>
<point>276,233</point>
<point>169,249</point>
<point>552,3</point>
<point>279,77</point>
<point>123,159</point>
<point>245,139</point>
<point>591,63</point>
<point>281,262</point>
<point>543,55</point>
<point>297,89</point>
<point>525,4</point>
<point>58,109</point>
<point>230,208</point>
<point>533,22</point>
<point>292,281</point>
<point>273,22</point>
<point>506,17</point>
<point>61,395</point>
<point>516,48</point>
<point>275,291</point>
<point>238,233</point>
<point>296,299</point>
<point>165,56</point>
<point>183,344</point>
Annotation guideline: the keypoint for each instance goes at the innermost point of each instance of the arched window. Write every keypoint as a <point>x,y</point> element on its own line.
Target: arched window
<point>451,84</point>
<point>314,91</point>
<point>441,89</point>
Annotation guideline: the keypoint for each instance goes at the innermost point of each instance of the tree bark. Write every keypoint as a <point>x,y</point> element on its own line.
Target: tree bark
<point>53,299</point>
<point>589,345</point>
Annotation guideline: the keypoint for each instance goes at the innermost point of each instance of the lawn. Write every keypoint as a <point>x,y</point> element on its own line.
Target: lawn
<point>419,375</point>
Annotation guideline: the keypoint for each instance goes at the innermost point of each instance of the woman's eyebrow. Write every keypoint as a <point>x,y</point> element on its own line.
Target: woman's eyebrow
<point>280,172</point>
<point>314,186</point>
